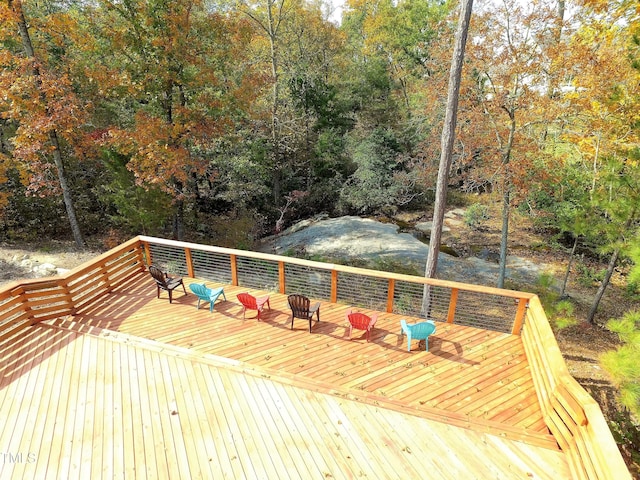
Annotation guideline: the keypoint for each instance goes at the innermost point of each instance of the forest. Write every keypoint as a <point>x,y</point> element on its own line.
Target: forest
<point>223,121</point>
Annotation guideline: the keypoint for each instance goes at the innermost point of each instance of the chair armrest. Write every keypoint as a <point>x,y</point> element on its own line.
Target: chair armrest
<point>215,292</point>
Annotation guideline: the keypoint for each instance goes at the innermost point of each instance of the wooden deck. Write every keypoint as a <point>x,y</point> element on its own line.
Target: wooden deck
<point>135,387</point>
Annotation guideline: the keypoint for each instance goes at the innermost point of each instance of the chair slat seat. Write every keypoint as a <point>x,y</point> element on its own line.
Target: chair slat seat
<point>249,302</point>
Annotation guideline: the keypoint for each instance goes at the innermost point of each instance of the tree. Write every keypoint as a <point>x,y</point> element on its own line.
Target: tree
<point>269,16</point>
<point>603,109</point>
<point>510,72</point>
<point>623,364</point>
<point>42,102</point>
<point>448,136</point>
<point>174,64</point>
<point>400,34</point>
<point>376,183</point>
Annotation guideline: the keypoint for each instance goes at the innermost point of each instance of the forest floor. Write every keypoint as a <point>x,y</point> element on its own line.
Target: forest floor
<point>581,344</point>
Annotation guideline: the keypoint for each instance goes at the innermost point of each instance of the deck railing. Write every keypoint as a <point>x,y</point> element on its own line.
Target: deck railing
<point>571,414</point>
<point>27,302</point>
<point>471,305</point>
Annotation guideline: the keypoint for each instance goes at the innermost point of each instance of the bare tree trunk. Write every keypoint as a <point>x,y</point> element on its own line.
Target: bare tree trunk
<point>448,137</point>
<point>275,100</point>
<point>603,286</point>
<point>610,268</point>
<point>506,198</point>
<point>66,191</point>
<point>53,135</point>
<point>571,257</point>
<point>504,236</point>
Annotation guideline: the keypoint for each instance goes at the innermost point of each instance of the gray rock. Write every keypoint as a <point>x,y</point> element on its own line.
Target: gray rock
<point>353,237</point>
<point>45,270</point>
<point>425,227</point>
<point>26,263</point>
<point>456,212</point>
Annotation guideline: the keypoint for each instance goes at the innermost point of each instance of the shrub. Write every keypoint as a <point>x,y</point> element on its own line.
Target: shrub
<point>623,364</point>
<point>560,311</point>
<point>476,215</point>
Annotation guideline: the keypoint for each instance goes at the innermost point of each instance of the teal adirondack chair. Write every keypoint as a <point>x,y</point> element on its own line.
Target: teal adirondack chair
<point>417,331</point>
<point>207,294</point>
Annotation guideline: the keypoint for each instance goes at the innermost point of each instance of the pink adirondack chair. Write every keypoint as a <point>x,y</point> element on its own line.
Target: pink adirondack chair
<point>249,302</point>
<point>360,321</point>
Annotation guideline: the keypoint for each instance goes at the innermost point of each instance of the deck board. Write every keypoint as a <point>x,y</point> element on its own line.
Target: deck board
<point>134,387</point>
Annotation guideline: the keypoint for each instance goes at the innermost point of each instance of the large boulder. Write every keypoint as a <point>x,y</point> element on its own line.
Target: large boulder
<point>354,238</point>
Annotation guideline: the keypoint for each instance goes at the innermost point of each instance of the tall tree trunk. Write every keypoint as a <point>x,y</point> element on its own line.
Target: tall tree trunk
<point>610,268</point>
<point>603,286</point>
<point>504,235</point>
<point>571,257</point>
<point>66,191</point>
<point>275,100</point>
<point>23,28</point>
<point>448,137</point>
<point>506,197</point>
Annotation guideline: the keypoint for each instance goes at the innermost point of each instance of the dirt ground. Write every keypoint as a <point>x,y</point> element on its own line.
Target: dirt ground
<point>580,344</point>
<point>18,261</point>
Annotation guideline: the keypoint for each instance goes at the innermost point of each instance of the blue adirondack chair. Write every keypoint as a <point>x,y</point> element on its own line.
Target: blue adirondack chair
<point>207,294</point>
<point>417,331</point>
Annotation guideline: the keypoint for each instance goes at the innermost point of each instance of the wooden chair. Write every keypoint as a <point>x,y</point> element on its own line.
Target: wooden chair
<point>417,331</point>
<point>301,308</point>
<point>207,294</point>
<point>360,321</point>
<point>165,282</point>
<point>249,302</point>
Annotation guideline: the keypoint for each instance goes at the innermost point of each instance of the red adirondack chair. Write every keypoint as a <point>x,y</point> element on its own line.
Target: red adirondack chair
<point>360,321</point>
<point>249,302</point>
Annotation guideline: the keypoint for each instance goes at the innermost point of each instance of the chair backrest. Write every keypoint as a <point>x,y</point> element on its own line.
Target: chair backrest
<point>248,300</point>
<point>421,330</point>
<point>359,320</point>
<point>158,275</point>
<point>299,305</point>
<point>200,290</point>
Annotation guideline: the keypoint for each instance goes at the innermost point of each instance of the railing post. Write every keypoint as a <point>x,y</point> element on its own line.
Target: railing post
<point>452,305</point>
<point>187,256</point>
<point>517,323</point>
<point>390,294</point>
<point>106,278</point>
<point>147,253</point>
<point>281,277</point>
<point>334,286</point>
<point>234,270</point>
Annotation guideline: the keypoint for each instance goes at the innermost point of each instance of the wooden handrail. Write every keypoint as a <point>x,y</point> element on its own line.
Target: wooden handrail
<point>336,267</point>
